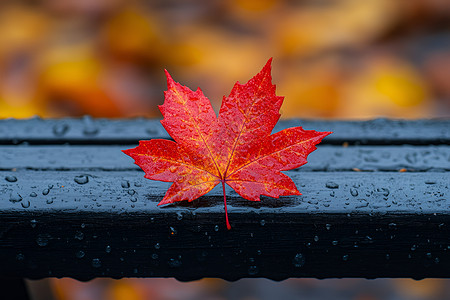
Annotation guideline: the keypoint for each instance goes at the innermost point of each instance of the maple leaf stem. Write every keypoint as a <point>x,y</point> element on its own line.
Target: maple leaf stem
<point>225,204</point>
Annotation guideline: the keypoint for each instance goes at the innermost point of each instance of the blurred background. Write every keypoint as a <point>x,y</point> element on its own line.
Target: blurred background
<point>346,59</point>
<point>332,59</point>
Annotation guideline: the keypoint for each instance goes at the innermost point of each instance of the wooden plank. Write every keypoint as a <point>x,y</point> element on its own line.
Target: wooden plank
<point>101,131</point>
<point>346,224</point>
<point>325,158</point>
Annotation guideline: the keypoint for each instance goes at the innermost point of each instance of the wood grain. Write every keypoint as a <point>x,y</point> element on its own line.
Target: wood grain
<point>375,204</point>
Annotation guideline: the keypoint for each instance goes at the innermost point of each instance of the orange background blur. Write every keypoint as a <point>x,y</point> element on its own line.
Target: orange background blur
<point>332,59</point>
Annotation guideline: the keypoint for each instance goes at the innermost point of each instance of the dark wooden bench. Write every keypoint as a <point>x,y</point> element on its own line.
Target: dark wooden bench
<point>375,203</point>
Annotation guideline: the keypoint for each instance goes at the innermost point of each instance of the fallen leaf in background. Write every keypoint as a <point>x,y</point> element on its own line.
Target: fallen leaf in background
<point>134,35</point>
<point>388,87</point>
<point>348,23</point>
<point>70,79</point>
<point>316,89</point>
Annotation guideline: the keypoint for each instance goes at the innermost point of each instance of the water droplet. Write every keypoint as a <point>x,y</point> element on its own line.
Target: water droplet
<point>96,262</point>
<point>33,223</point>
<point>81,179</point>
<point>125,184</point>
<point>133,199</point>
<point>11,178</point>
<point>413,247</point>
<point>328,226</point>
<point>15,197</point>
<point>90,128</point>
<point>33,194</point>
<point>354,192</point>
<point>437,260</point>
<point>108,249</point>
<point>298,260</point>
<point>334,243</point>
<point>83,225</point>
<point>79,235</point>
<point>332,185</point>
<point>79,254</point>
<point>174,263</point>
<point>262,222</point>
<point>155,256</point>
<point>49,201</point>
<point>131,192</point>
<point>383,191</point>
<point>50,186</point>
<point>253,270</point>
<point>25,204</point>
<point>429,255</point>
<point>216,228</point>
<point>345,257</point>
<point>60,129</point>
<point>42,239</point>
<point>157,246</point>
<point>316,238</point>
<point>173,231</point>
<point>45,192</point>
<point>20,257</point>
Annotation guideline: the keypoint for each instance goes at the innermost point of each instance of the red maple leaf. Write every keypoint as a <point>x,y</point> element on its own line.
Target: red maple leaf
<point>237,148</point>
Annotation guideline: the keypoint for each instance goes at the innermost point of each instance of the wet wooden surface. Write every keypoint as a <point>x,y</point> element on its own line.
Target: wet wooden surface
<point>375,203</point>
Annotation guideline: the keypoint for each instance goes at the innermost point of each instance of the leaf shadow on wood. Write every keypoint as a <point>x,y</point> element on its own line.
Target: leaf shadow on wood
<point>212,201</point>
